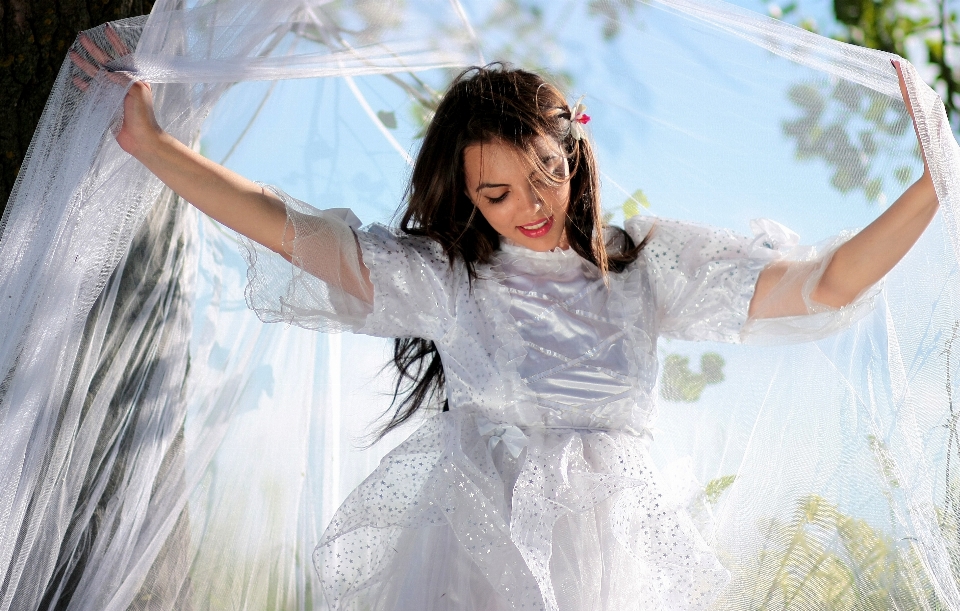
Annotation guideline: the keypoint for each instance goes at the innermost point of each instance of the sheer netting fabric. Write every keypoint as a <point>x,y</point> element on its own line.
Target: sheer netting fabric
<point>163,448</point>
<point>320,284</point>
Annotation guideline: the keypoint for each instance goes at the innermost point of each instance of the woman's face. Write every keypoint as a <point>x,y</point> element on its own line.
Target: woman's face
<point>513,197</point>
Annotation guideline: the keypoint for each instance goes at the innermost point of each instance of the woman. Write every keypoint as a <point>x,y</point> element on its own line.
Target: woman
<point>536,328</point>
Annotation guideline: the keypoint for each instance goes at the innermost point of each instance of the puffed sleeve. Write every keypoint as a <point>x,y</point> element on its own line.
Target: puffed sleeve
<point>414,285</point>
<point>323,286</point>
<point>703,280</point>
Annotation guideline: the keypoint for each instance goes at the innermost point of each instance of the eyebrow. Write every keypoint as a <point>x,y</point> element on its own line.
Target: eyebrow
<point>490,185</point>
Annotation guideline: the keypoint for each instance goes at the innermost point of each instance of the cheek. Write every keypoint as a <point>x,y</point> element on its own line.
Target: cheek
<point>498,217</point>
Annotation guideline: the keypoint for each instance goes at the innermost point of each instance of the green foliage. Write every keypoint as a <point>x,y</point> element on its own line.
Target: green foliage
<point>891,25</point>
<point>948,517</point>
<point>840,124</point>
<point>924,31</point>
<point>388,118</point>
<point>822,558</point>
<point>903,174</point>
<point>825,559</point>
<point>679,383</point>
<point>632,206</point>
<point>884,459</point>
<point>716,487</point>
<point>611,14</point>
<point>522,31</point>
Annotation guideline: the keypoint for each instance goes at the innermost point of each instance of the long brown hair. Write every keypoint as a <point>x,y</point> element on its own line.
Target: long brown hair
<point>486,104</point>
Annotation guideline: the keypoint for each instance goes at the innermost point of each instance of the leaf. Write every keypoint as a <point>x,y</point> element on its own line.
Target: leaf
<point>711,367</point>
<point>825,559</point>
<point>631,207</point>
<point>903,174</point>
<point>888,466</point>
<point>388,118</point>
<point>716,487</point>
<point>873,189</point>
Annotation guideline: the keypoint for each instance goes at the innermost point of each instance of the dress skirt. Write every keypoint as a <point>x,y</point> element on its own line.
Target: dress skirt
<point>465,516</point>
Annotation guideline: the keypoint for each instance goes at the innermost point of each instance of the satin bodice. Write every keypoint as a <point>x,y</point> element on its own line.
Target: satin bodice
<point>562,349</point>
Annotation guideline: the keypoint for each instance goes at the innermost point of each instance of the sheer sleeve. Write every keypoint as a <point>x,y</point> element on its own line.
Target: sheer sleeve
<point>323,285</point>
<point>414,285</point>
<point>808,265</point>
<point>703,280</point>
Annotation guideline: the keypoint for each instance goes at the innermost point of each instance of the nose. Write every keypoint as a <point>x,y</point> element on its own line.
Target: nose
<point>534,198</point>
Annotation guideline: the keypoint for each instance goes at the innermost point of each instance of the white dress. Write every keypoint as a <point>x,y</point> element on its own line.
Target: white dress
<point>536,489</point>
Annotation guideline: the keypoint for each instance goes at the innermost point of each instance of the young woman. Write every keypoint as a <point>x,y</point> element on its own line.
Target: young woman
<point>536,328</point>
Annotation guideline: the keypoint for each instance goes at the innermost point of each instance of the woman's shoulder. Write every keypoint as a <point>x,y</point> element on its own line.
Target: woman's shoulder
<point>678,244</point>
<point>395,238</point>
<point>647,227</point>
<point>663,239</point>
<point>391,247</point>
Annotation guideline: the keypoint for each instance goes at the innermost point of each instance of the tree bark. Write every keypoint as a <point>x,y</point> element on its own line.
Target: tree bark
<point>34,38</point>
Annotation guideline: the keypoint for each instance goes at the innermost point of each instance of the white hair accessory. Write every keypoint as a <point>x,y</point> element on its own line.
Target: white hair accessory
<point>579,118</point>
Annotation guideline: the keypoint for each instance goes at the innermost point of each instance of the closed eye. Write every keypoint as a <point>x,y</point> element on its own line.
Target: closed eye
<point>497,200</point>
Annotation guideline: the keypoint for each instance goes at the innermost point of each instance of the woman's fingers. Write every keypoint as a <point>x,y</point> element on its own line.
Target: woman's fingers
<point>118,45</point>
<point>98,54</point>
<point>903,87</point>
<point>80,83</point>
<point>909,105</point>
<point>83,64</point>
<point>120,78</point>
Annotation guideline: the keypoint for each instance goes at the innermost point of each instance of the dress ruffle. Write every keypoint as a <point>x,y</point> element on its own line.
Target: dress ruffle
<point>577,521</point>
<point>321,288</point>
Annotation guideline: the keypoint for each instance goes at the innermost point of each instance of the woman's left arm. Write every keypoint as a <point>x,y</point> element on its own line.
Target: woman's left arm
<point>862,260</point>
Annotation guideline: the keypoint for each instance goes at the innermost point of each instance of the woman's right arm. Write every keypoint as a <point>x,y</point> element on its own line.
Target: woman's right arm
<point>235,201</point>
<point>222,194</point>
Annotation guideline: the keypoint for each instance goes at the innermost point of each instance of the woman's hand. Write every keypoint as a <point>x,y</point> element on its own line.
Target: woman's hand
<point>140,129</point>
<point>216,191</point>
<point>909,105</point>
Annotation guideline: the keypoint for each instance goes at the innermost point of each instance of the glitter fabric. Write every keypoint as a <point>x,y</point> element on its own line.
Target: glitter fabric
<point>536,490</point>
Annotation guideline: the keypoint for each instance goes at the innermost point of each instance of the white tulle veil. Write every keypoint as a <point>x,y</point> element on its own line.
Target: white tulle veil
<point>161,448</point>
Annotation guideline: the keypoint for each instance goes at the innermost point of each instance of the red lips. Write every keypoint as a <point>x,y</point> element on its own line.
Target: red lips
<point>540,228</point>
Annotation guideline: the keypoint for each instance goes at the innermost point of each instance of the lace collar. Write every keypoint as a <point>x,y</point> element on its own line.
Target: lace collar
<point>553,264</point>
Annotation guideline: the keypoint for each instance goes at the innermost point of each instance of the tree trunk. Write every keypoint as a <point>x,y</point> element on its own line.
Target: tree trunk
<point>34,37</point>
